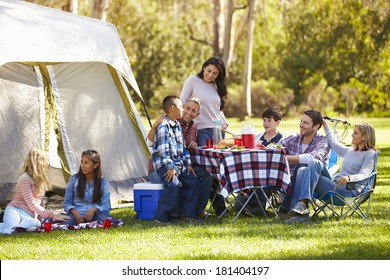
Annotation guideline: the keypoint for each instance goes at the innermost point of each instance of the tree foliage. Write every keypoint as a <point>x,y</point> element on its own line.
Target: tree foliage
<point>306,53</point>
<point>345,42</point>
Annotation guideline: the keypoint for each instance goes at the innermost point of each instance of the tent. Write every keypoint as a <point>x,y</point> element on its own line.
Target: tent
<point>64,86</point>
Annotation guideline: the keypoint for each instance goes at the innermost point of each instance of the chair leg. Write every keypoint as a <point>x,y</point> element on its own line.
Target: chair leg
<point>268,201</point>
<point>318,208</point>
<point>243,207</point>
<point>356,208</point>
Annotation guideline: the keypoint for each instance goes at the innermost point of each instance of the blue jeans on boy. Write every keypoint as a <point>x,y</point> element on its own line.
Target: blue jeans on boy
<point>203,188</point>
<point>316,177</point>
<point>187,184</point>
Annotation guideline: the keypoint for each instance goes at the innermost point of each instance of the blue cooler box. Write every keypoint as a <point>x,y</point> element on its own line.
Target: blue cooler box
<point>146,196</point>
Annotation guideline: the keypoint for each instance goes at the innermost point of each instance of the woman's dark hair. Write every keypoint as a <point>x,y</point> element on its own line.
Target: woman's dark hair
<point>220,81</point>
<point>97,177</point>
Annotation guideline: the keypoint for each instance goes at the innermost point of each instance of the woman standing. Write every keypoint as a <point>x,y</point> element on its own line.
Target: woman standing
<point>209,85</point>
<point>26,208</point>
<point>87,195</point>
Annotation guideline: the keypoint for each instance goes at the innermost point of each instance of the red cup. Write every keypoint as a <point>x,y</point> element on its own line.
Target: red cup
<point>107,223</point>
<point>209,143</point>
<point>47,227</point>
<point>238,142</point>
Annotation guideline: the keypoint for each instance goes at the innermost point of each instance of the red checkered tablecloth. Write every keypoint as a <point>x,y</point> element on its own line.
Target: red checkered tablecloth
<point>238,170</point>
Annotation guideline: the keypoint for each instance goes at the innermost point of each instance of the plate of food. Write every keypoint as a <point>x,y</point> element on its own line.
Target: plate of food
<point>223,148</point>
<point>237,148</point>
<point>275,146</point>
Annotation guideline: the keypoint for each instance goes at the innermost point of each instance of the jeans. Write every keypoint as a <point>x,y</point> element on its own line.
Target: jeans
<point>187,184</point>
<point>203,190</point>
<point>286,203</point>
<point>98,216</point>
<point>204,187</point>
<point>203,134</point>
<point>206,133</point>
<point>154,178</point>
<point>18,217</point>
<point>315,177</point>
<point>219,201</point>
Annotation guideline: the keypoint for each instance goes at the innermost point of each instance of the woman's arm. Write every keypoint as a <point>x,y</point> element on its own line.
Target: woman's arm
<point>223,121</point>
<point>333,142</point>
<point>366,168</point>
<point>187,89</point>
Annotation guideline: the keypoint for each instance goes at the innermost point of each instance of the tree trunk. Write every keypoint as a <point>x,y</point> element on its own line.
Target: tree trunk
<point>71,6</point>
<point>228,44</point>
<point>100,9</point>
<point>248,59</point>
<point>217,27</point>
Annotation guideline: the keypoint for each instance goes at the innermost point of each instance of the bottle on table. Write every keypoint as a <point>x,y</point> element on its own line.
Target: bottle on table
<point>217,135</point>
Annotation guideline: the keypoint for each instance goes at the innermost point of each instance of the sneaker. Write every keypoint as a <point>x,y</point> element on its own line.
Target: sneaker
<point>298,219</point>
<point>203,214</point>
<point>156,221</point>
<point>176,215</point>
<point>301,209</point>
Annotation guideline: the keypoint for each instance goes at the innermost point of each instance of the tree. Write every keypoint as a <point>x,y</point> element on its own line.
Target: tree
<point>319,52</point>
<point>100,9</point>
<point>342,41</point>
<point>224,26</point>
<point>71,6</point>
<point>248,58</point>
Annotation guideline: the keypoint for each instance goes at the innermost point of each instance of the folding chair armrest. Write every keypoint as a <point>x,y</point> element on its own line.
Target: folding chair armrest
<point>368,177</point>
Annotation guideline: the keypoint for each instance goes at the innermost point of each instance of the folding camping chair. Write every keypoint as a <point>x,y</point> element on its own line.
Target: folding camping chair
<point>335,204</point>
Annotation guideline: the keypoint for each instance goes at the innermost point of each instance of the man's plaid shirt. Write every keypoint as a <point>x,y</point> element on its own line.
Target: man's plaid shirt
<point>318,148</point>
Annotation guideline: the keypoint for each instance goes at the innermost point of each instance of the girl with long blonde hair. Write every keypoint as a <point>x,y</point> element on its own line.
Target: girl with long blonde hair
<point>26,208</point>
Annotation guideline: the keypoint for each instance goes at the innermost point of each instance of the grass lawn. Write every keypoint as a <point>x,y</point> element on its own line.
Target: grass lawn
<point>247,239</point>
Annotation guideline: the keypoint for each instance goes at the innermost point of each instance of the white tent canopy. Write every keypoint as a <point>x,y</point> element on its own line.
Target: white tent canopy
<point>64,75</point>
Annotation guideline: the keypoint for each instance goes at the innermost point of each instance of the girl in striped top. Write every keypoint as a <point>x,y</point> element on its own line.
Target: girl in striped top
<point>26,207</point>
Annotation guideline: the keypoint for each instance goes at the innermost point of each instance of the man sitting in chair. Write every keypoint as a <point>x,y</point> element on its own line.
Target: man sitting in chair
<point>302,149</point>
<point>358,163</point>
